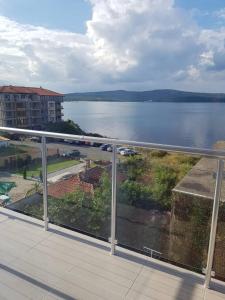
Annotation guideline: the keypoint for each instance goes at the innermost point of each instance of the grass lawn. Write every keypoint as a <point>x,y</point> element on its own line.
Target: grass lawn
<point>52,167</point>
<point>11,150</point>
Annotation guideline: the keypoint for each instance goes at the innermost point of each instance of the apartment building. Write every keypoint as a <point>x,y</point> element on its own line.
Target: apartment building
<point>29,107</point>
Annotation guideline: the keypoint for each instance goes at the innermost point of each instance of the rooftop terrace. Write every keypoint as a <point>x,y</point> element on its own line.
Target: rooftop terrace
<point>60,264</point>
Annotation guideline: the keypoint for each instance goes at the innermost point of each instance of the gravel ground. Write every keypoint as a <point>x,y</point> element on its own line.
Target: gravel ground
<point>22,185</point>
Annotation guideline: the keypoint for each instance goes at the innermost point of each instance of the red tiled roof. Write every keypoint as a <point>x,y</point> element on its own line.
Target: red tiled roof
<point>10,89</point>
<point>92,175</point>
<point>67,186</point>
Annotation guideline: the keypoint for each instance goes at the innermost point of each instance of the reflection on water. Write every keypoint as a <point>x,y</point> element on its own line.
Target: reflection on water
<point>194,124</point>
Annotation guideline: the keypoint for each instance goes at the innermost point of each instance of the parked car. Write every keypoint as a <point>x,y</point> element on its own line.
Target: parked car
<point>68,141</point>
<point>104,147</point>
<point>127,152</point>
<point>71,154</point>
<point>35,139</point>
<point>110,149</point>
<point>119,149</point>
<point>75,153</point>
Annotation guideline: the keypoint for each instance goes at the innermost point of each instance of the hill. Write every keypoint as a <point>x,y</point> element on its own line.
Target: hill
<point>146,96</point>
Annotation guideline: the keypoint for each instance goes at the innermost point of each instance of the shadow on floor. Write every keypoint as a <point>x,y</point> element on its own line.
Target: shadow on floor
<point>37,283</point>
<point>189,281</point>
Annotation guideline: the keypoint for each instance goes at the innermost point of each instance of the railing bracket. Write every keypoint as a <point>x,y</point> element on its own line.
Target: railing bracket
<point>115,242</point>
<point>213,273</point>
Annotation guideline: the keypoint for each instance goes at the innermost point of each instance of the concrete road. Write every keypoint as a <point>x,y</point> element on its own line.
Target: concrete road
<point>87,152</point>
<point>56,176</point>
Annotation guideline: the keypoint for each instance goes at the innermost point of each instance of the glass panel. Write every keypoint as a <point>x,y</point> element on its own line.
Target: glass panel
<point>79,189</point>
<point>164,205</point>
<point>219,254</point>
<point>20,186</point>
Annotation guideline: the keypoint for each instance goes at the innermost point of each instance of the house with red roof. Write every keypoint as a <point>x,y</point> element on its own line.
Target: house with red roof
<point>67,186</point>
<point>29,107</point>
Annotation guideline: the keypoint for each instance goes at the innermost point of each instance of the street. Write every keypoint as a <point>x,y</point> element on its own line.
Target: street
<point>87,152</point>
<point>56,176</point>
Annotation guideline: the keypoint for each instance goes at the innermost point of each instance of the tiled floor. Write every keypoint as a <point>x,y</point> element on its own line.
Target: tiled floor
<point>60,264</point>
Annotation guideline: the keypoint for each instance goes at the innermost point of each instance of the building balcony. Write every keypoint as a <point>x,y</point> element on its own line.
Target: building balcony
<point>9,109</point>
<point>35,117</point>
<point>36,108</point>
<point>9,117</point>
<point>82,223</point>
<point>61,264</point>
<point>20,109</point>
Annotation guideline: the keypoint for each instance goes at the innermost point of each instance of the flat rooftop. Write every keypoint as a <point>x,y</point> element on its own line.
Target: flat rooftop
<point>201,179</point>
<point>61,264</point>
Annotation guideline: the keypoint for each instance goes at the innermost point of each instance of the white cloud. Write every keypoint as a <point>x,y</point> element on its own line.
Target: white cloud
<point>220,13</point>
<point>132,44</point>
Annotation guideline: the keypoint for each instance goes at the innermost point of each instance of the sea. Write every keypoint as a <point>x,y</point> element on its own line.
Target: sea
<point>182,124</point>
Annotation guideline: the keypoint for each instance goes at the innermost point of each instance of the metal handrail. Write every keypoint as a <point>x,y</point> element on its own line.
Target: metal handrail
<point>217,154</point>
<point>170,148</point>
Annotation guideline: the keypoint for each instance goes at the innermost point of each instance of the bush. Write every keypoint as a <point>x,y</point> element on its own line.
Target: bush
<point>134,167</point>
<point>25,174</point>
<point>158,154</point>
<point>134,193</point>
<point>164,181</point>
<point>68,127</point>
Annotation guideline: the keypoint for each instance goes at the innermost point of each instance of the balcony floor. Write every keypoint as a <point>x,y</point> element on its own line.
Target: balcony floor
<point>60,264</point>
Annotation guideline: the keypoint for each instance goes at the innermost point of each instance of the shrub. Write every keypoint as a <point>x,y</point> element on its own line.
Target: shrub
<point>158,154</point>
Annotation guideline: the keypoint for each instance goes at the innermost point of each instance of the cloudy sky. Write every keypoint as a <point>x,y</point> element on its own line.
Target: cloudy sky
<point>89,45</point>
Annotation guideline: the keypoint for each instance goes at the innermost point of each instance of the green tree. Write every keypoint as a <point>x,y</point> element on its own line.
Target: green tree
<point>36,188</point>
<point>164,180</point>
<point>101,203</point>
<point>134,193</point>
<point>68,210</point>
<point>24,173</point>
<point>65,127</point>
<point>134,167</point>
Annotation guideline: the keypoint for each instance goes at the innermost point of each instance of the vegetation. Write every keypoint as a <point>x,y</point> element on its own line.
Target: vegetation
<point>25,173</point>
<point>151,178</point>
<point>37,188</point>
<point>11,150</point>
<point>34,170</point>
<point>85,211</point>
<point>68,127</point>
<point>164,180</point>
<point>145,181</point>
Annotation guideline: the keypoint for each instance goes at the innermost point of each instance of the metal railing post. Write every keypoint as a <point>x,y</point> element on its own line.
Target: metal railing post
<point>212,240</point>
<point>113,203</point>
<point>44,179</point>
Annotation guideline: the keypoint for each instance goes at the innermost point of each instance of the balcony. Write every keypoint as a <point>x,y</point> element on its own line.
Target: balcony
<point>80,212</point>
<point>61,264</point>
<point>38,108</point>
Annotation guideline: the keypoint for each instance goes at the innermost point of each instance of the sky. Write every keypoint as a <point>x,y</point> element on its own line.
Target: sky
<point>93,45</point>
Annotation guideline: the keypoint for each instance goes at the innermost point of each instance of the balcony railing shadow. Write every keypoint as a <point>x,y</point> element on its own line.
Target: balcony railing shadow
<point>35,282</point>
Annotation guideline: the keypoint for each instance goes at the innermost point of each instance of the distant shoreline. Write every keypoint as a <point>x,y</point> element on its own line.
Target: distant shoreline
<point>147,96</point>
<point>138,101</point>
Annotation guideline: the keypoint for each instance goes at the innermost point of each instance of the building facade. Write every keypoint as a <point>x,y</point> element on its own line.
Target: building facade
<point>29,107</point>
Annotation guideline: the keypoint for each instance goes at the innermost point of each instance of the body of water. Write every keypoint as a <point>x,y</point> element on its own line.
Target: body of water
<point>184,124</point>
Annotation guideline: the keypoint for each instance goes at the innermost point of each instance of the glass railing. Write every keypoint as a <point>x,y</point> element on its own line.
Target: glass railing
<point>218,268</point>
<point>159,200</point>
<point>79,189</point>
<point>20,167</point>
<point>164,205</point>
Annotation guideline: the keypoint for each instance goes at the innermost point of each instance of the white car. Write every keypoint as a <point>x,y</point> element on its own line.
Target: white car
<point>118,150</point>
<point>127,152</point>
<point>110,149</point>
